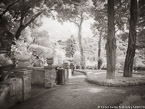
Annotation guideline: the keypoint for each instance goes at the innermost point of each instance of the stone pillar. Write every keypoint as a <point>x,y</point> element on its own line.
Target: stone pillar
<point>25,74</point>
<point>10,92</point>
<point>68,71</point>
<point>50,76</point>
<point>16,90</point>
<point>5,99</point>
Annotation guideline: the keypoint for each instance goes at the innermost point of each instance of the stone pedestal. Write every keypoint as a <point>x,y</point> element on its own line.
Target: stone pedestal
<point>16,90</point>
<point>50,76</point>
<point>68,73</point>
<point>4,96</point>
<point>11,92</point>
<point>25,75</point>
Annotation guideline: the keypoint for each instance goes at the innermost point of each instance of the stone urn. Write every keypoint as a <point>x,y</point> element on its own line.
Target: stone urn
<point>50,61</point>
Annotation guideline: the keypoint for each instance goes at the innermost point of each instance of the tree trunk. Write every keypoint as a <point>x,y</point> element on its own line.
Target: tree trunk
<point>18,32</point>
<point>111,42</point>
<point>128,66</point>
<point>99,51</point>
<point>80,44</point>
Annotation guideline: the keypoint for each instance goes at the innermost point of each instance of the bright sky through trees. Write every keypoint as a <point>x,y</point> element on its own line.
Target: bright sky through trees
<point>63,31</point>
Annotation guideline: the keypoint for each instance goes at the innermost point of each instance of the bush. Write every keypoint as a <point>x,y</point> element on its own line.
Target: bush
<point>120,63</point>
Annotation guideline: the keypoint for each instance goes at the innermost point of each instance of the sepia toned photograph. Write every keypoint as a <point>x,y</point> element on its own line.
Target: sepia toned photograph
<point>72,54</point>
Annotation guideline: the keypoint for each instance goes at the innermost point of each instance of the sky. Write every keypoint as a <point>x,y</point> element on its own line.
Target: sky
<point>58,31</point>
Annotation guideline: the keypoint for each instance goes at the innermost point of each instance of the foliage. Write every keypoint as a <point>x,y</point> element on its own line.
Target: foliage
<point>100,16</point>
<point>140,25</point>
<point>59,56</point>
<point>41,37</point>
<point>41,47</point>
<point>20,51</point>
<point>40,54</point>
<point>76,13</point>
<point>5,60</point>
<point>76,58</point>
<point>73,12</point>
<point>71,47</point>
<point>26,35</point>
<point>141,15</point>
<point>21,13</point>
<point>139,60</point>
<point>119,81</point>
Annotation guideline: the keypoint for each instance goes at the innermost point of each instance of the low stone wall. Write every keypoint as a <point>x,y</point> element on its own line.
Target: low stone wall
<point>44,76</point>
<point>10,92</point>
<point>38,76</point>
<point>16,89</point>
<point>4,96</point>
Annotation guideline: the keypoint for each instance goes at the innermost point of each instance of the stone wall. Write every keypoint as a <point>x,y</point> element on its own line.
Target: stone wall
<point>11,92</point>
<point>38,76</point>
<point>16,89</point>
<point>45,77</point>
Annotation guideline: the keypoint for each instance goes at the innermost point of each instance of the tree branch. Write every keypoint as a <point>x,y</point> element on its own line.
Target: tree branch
<point>33,18</point>
<point>22,13</point>
<point>8,8</point>
<point>74,21</point>
<point>95,34</point>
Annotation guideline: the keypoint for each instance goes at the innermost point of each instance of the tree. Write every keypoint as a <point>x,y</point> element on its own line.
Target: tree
<point>128,67</point>
<point>111,42</point>
<point>100,26</point>
<point>24,12</point>
<point>71,47</point>
<point>76,12</point>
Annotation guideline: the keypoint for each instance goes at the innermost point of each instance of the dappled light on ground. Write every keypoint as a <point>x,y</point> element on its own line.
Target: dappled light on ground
<point>95,90</point>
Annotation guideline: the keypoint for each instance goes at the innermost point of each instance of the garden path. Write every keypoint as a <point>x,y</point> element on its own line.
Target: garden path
<point>79,94</point>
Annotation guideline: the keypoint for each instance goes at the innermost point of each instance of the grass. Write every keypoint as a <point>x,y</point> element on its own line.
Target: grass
<point>119,81</point>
